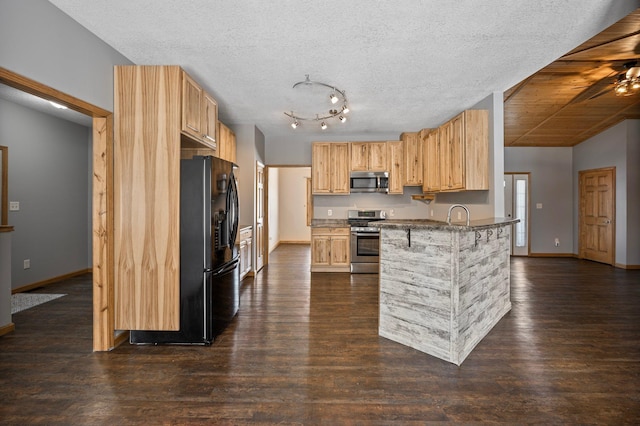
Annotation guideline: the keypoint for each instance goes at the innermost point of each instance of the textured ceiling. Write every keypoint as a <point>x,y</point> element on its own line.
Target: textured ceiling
<point>404,65</point>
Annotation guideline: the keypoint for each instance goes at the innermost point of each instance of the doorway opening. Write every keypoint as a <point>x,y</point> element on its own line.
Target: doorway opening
<point>104,334</point>
<point>290,205</point>
<point>516,206</point>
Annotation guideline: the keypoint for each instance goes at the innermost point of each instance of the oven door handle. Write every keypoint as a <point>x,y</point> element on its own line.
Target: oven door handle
<point>365,234</point>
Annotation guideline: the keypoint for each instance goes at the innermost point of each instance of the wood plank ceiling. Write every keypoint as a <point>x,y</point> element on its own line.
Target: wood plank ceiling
<point>572,99</point>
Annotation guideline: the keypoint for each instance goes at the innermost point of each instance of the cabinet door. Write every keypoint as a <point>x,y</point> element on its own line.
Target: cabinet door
<point>444,136</point>
<point>320,250</point>
<point>476,148</point>
<point>359,156</point>
<point>339,176</point>
<point>412,159</point>
<point>321,168</point>
<point>191,105</point>
<point>431,162</point>
<point>456,161</point>
<point>395,167</point>
<point>378,157</point>
<point>340,251</point>
<point>209,120</point>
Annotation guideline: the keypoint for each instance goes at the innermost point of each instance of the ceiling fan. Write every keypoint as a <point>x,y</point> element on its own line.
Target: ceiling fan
<point>625,83</point>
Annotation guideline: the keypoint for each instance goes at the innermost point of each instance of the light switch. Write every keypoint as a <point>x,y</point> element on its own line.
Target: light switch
<point>538,206</point>
<point>14,206</point>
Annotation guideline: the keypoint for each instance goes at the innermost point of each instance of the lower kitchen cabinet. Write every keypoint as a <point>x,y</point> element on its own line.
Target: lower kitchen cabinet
<point>330,249</point>
<point>245,240</point>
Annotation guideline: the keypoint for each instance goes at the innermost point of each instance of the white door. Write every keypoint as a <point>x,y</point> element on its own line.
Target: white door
<point>516,199</point>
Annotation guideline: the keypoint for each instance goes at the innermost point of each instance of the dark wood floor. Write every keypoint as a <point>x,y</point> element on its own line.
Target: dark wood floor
<point>304,349</point>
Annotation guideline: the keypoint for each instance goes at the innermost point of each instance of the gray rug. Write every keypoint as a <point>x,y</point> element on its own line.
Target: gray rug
<point>22,301</point>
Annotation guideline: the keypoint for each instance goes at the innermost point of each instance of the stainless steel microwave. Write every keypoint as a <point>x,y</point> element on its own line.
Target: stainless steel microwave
<point>370,182</point>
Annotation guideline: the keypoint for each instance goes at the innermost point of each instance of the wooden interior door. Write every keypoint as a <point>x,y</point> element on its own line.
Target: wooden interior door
<point>259,234</point>
<point>597,215</point>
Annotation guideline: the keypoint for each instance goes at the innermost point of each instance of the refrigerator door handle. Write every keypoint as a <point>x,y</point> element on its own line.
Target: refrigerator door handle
<point>230,267</point>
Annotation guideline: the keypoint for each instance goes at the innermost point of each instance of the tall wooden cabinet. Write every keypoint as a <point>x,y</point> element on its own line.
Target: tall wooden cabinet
<point>330,168</point>
<point>156,110</point>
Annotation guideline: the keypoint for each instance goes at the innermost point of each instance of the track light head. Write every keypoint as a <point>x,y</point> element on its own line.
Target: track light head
<point>342,119</point>
<point>295,124</point>
<point>334,98</point>
<point>323,125</point>
<point>345,109</point>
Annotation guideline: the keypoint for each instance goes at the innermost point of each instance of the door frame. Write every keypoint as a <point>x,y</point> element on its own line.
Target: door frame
<point>102,206</point>
<point>528,174</point>
<point>581,249</point>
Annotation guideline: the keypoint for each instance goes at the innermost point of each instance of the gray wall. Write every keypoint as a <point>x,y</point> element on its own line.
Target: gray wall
<point>48,175</point>
<point>39,41</point>
<point>249,149</point>
<point>615,147</point>
<point>550,184</point>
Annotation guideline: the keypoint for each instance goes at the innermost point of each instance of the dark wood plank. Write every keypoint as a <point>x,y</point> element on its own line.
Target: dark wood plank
<point>304,349</point>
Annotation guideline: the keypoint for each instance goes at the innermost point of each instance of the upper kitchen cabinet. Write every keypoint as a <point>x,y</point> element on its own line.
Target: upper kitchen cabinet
<point>395,166</point>
<point>431,159</point>
<point>226,143</point>
<point>199,113</point>
<point>330,168</point>
<point>412,147</point>
<point>464,152</point>
<point>147,145</point>
<point>369,156</point>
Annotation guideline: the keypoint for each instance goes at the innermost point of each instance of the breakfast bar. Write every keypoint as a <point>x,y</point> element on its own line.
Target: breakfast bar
<point>443,286</point>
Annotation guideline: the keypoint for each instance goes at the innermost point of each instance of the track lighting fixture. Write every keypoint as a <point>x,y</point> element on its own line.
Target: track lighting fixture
<point>335,96</point>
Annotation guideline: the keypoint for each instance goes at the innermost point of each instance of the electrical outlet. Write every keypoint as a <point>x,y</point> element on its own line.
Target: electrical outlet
<point>431,213</point>
<point>557,242</point>
<point>14,206</point>
<point>27,263</point>
<point>538,206</point>
<point>392,212</point>
<point>459,215</point>
<point>329,212</point>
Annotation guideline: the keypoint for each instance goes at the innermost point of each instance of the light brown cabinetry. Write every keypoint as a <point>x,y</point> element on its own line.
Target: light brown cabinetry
<point>431,160</point>
<point>412,147</point>
<point>369,156</point>
<point>245,238</point>
<point>330,168</point>
<point>395,166</point>
<point>330,249</point>
<point>199,113</point>
<point>160,115</point>
<point>226,143</point>
<point>464,152</point>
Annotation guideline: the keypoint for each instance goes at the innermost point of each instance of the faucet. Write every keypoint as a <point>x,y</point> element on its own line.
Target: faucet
<point>453,207</point>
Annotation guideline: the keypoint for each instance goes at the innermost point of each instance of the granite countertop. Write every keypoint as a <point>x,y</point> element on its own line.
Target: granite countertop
<point>317,223</point>
<point>474,225</point>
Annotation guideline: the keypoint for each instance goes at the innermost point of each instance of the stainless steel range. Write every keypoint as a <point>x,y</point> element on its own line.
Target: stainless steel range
<point>365,240</point>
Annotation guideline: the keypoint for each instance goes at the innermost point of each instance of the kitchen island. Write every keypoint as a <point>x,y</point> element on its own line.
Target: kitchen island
<point>443,286</point>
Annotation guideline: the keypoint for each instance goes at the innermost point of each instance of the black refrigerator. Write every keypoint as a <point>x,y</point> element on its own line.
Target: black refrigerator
<point>209,259</point>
